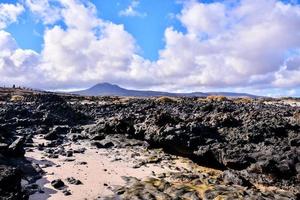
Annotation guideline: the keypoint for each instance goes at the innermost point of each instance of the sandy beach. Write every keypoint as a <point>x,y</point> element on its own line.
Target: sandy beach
<point>99,170</point>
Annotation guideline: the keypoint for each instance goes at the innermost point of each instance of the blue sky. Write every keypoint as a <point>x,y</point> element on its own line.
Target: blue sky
<point>148,30</point>
<point>190,45</point>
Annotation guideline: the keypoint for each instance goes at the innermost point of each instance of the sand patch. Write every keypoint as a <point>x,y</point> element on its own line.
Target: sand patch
<point>98,169</point>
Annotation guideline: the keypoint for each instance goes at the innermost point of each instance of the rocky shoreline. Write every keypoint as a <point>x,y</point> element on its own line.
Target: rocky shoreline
<point>250,146</point>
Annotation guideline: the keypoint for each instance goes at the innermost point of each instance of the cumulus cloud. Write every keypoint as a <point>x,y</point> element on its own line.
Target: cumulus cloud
<point>85,51</point>
<point>204,18</point>
<point>242,44</point>
<point>288,75</point>
<point>246,44</point>
<point>17,65</point>
<point>88,50</point>
<point>9,13</point>
<point>48,13</point>
<point>131,11</point>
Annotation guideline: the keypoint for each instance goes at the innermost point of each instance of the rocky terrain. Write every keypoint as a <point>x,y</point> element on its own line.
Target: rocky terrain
<point>149,148</point>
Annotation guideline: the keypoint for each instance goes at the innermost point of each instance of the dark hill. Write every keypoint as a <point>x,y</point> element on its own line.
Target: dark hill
<point>107,89</point>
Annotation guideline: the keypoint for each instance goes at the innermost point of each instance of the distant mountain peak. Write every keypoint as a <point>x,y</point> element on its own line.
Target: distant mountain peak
<point>108,89</point>
<point>105,84</point>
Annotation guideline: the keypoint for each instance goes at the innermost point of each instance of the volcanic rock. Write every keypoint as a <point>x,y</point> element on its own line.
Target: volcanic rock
<point>10,183</point>
<point>74,181</point>
<point>57,184</point>
<point>16,149</point>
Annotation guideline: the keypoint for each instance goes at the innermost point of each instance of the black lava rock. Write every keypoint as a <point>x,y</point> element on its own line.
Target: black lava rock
<point>57,184</point>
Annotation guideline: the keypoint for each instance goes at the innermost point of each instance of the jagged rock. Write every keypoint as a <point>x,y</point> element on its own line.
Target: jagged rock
<point>10,183</point>
<point>258,140</point>
<point>16,149</point>
<point>56,132</point>
<point>295,142</point>
<point>194,187</point>
<point>51,136</point>
<point>66,192</point>
<point>75,137</point>
<point>232,177</point>
<point>3,148</point>
<point>97,137</point>
<point>32,188</point>
<point>74,181</point>
<point>57,184</point>
<point>103,144</point>
<point>80,150</point>
<point>82,163</point>
<point>216,134</point>
<point>68,153</point>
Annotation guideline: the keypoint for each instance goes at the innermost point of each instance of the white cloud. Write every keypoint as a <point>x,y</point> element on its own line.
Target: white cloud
<point>17,65</point>
<point>232,45</point>
<point>9,13</point>
<point>131,11</point>
<point>87,51</point>
<point>48,13</point>
<point>252,44</point>
<point>204,18</point>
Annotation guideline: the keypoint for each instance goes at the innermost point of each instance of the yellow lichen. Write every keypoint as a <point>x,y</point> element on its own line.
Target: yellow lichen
<point>217,98</point>
<point>16,98</point>
<point>243,100</point>
<point>165,99</point>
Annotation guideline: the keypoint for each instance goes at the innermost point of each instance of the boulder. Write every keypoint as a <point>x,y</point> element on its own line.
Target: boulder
<point>56,132</point>
<point>232,177</point>
<point>103,144</point>
<point>16,149</point>
<point>10,183</point>
<point>73,181</point>
<point>58,184</point>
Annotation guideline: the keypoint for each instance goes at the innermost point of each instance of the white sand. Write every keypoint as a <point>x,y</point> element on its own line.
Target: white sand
<point>292,103</point>
<point>102,168</point>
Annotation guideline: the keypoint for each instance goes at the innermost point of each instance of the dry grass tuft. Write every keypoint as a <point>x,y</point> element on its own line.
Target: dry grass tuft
<point>297,116</point>
<point>165,99</point>
<point>17,98</point>
<point>243,100</point>
<point>201,99</point>
<point>123,100</point>
<point>217,98</point>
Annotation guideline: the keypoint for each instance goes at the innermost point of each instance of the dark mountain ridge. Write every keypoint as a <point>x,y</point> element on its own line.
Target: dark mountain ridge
<point>107,89</point>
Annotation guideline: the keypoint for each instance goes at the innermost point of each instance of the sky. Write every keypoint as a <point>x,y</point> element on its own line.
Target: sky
<point>168,45</point>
